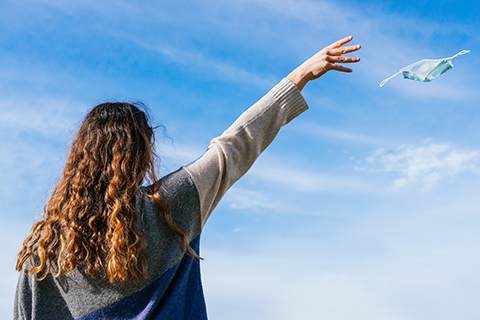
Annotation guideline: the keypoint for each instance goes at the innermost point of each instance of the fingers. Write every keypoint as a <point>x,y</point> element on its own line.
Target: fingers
<point>341,42</point>
<point>338,67</point>
<point>342,59</point>
<point>343,50</point>
<point>334,54</point>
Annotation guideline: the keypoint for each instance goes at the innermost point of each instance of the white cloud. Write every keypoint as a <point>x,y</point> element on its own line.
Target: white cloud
<point>424,165</point>
<point>75,8</point>
<point>304,180</point>
<point>309,277</point>
<point>388,46</point>
<point>318,16</point>
<point>173,156</point>
<point>198,62</point>
<point>269,187</point>
<point>321,131</point>
<point>33,135</point>
<point>248,199</point>
<point>45,116</point>
<point>287,285</point>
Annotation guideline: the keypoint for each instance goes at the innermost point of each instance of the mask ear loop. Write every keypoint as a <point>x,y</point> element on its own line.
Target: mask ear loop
<point>385,81</point>
<point>460,53</point>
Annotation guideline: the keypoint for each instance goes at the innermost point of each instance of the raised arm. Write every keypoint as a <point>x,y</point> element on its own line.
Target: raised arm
<point>231,155</point>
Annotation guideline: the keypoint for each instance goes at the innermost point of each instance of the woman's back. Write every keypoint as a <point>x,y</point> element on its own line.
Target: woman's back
<point>77,294</point>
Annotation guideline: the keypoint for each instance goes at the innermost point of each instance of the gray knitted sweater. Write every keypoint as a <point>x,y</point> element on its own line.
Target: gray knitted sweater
<point>173,287</point>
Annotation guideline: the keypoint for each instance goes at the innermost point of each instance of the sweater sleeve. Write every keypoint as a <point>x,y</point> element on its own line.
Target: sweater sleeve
<point>230,155</point>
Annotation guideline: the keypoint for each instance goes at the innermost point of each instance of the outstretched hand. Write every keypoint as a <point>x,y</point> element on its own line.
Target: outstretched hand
<point>324,61</point>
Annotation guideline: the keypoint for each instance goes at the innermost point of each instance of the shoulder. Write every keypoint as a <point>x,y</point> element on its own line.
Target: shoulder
<point>176,189</point>
<point>181,196</point>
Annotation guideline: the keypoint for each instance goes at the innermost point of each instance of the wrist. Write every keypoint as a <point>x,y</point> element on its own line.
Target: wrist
<point>299,77</point>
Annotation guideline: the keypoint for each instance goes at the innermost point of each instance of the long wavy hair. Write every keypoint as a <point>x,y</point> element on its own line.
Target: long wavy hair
<point>90,219</point>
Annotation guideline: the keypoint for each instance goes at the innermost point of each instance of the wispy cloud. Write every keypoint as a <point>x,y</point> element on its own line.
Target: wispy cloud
<point>75,7</point>
<point>408,279</point>
<point>248,199</point>
<point>198,62</point>
<point>33,143</point>
<point>173,155</point>
<point>336,134</point>
<point>382,30</point>
<point>425,165</point>
<point>150,16</point>
<point>388,46</point>
<point>277,188</point>
<point>304,180</point>
<point>44,116</point>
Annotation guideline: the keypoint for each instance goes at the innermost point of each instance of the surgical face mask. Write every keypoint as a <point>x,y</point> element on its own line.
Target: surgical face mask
<point>426,70</point>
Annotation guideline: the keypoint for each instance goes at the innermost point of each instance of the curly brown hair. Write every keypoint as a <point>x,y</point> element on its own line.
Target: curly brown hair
<point>90,219</point>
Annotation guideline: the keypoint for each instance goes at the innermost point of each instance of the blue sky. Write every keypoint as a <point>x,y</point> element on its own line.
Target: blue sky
<point>364,207</point>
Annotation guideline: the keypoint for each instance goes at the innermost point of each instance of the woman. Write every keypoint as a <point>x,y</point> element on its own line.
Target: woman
<point>108,248</point>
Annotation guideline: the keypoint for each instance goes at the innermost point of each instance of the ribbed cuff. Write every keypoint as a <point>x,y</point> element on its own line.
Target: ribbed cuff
<point>290,99</point>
